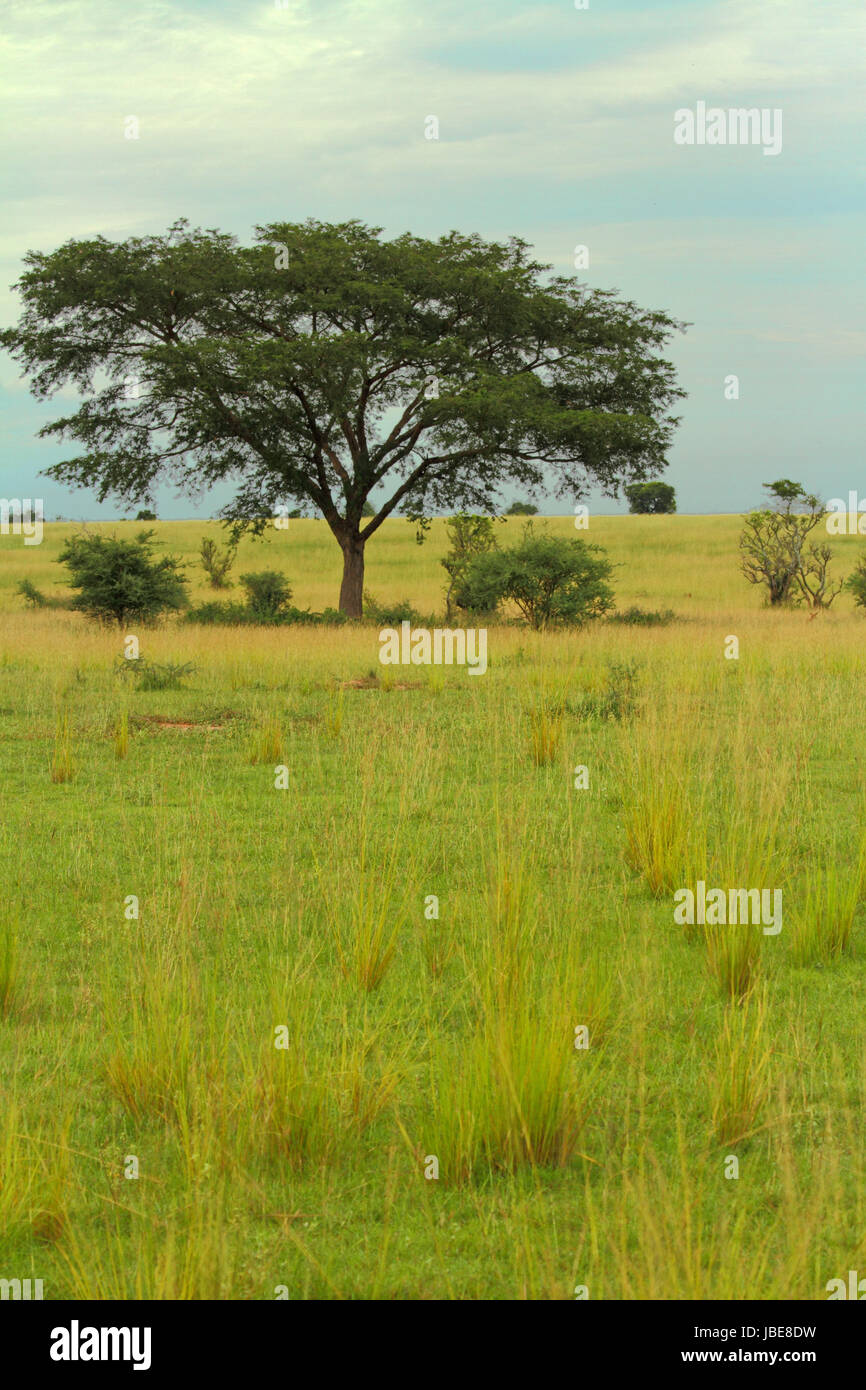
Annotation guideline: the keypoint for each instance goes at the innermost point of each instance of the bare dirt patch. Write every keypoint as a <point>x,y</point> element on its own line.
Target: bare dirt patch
<point>182,726</point>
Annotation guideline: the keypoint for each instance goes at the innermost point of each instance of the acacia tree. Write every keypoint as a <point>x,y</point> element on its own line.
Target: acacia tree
<point>651,499</point>
<point>323,363</point>
<point>777,552</point>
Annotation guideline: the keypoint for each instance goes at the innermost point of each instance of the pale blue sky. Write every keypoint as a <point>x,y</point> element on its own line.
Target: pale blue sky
<point>556,124</point>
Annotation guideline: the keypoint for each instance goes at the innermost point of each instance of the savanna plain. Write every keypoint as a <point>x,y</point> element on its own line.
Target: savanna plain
<point>420,1024</point>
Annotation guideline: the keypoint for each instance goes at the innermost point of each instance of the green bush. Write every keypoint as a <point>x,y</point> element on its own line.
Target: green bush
<point>154,675</point>
<point>217,613</point>
<point>332,617</point>
<point>643,617</point>
<point>393,614</point>
<point>120,581</point>
<point>34,596</point>
<point>469,536</point>
<point>856,582</point>
<point>37,599</point>
<point>553,580</point>
<point>217,562</point>
<point>268,594</point>
<point>241,614</point>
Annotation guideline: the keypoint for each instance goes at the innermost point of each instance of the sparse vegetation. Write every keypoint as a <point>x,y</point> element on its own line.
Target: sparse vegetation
<point>435,942</point>
<point>120,581</point>
<point>551,580</point>
<point>217,561</point>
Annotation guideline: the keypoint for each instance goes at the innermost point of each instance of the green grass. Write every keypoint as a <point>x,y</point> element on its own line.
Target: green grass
<point>299,915</point>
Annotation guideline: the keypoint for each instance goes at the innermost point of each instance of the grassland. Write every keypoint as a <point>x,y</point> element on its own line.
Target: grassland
<point>302,1167</point>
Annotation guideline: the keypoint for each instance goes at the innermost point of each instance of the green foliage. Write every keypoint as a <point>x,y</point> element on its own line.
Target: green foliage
<point>552,580</point>
<point>268,594</point>
<point>221,614</point>
<point>787,494</point>
<point>253,357</point>
<point>155,675</point>
<point>651,498</point>
<point>777,554</point>
<point>145,515</point>
<point>120,580</point>
<point>217,614</point>
<point>469,536</point>
<point>522,509</point>
<point>35,597</point>
<point>393,614</point>
<point>216,562</point>
<point>857,583</point>
<point>635,616</point>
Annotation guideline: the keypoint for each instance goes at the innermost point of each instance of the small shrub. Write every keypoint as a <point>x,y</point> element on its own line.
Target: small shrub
<point>155,675</point>
<point>393,614</point>
<point>220,614</point>
<point>33,596</point>
<point>856,582</point>
<point>551,579</point>
<point>469,536</point>
<point>268,594</point>
<point>120,581</point>
<point>643,617</point>
<point>216,562</point>
<point>332,617</point>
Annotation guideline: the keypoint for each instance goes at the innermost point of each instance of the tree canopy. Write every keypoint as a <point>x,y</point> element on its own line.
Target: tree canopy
<point>324,362</point>
<point>651,499</point>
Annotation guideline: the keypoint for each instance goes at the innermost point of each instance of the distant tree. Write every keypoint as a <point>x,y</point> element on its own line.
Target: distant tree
<point>145,515</point>
<point>522,509</point>
<point>368,509</point>
<point>323,364</point>
<point>776,551</point>
<point>651,498</point>
<point>120,580</point>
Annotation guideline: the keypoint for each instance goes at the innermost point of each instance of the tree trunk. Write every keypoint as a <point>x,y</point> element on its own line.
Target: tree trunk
<point>352,587</point>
